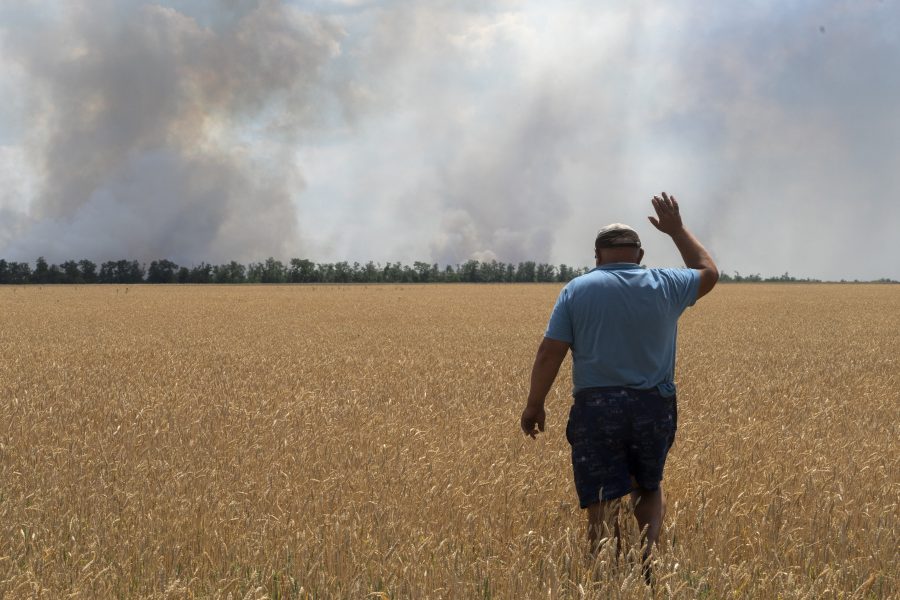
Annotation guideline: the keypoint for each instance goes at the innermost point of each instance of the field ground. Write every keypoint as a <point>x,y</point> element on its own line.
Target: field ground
<point>354,442</point>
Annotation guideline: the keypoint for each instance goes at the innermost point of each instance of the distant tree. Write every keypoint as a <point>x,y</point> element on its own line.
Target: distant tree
<point>202,273</point>
<point>19,273</point>
<point>450,275</point>
<point>408,275</point>
<point>4,271</point>
<point>324,272</point>
<point>387,273</point>
<point>233,272</point>
<point>162,271</point>
<point>470,271</point>
<point>359,273</point>
<point>55,274</point>
<point>88,270</point>
<point>496,272</point>
<point>129,271</point>
<point>273,271</point>
<point>490,271</point>
<point>270,271</point>
<point>372,272</point>
<point>121,271</point>
<point>71,272</point>
<point>107,272</point>
<point>254,272</point>
<point>545,273</point>
<point>41,273</point>
<point>342,272</point>
<point>423,271</point>
<point>526,271</point>
<point>302,271</point>
<point>786,277</point>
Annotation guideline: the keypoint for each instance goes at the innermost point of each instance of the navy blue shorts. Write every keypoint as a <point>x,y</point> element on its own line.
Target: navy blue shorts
<point>618,433</point>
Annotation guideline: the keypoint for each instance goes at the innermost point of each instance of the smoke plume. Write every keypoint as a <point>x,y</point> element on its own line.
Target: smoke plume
<point>446,130</point>
<point>156,134</point>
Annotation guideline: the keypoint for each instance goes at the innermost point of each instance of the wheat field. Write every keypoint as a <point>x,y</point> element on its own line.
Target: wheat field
<point>362,442</point>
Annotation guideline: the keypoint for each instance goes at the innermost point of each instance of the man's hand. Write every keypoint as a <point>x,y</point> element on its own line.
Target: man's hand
<point>668,219</point>
<point>549,357</point>
<point>692,251</point>
<point>533,416</point>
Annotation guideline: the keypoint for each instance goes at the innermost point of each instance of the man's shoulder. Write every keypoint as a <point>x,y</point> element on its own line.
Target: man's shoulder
<point>670,270</point>
<point>585,279</point>
<point>680,284</point>
<point>675,273</point>
<point>638,277</point>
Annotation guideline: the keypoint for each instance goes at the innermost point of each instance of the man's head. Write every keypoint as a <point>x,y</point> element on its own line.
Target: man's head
<point>618,243</point>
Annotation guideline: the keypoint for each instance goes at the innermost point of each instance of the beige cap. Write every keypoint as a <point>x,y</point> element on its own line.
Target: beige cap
<point>617,234</point>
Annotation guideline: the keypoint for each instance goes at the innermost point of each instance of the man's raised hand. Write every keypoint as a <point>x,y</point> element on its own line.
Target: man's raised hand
<point>668,219</point>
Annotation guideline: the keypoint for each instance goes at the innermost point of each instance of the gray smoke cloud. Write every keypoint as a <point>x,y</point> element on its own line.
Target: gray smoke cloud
<point>775,126</point>
<point>448,130</point>
<point>155,134</point>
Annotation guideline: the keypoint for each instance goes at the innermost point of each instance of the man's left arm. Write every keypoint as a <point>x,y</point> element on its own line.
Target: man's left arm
<point>549,357</point>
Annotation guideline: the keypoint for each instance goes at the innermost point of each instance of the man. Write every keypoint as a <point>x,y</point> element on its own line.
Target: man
<point>620,322</point>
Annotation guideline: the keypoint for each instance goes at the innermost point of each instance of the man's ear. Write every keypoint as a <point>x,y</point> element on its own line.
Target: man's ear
<point>640,256</point>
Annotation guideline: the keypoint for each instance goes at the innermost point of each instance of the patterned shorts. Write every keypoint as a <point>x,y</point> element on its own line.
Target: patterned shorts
<point>618,433</point>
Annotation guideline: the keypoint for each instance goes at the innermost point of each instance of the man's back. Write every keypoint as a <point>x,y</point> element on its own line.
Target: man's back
<point>621,322</point>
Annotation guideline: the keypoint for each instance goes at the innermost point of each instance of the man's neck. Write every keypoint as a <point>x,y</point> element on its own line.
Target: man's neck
<point>616,262</point>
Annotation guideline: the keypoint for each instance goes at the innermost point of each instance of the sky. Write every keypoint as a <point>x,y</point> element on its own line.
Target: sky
<point>442,131</point>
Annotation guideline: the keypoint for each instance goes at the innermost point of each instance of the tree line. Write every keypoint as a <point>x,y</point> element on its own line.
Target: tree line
<point>301,270</point>
<point>297,270</point>
<point>757,278</point>
<point>788,278</point>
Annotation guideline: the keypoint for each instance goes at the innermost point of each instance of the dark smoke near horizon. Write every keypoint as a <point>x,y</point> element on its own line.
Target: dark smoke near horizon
<point>446,130</point>
<point>149,130</point>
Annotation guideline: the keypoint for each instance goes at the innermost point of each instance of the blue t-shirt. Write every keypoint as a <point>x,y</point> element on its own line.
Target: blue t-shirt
<point>621,321</point>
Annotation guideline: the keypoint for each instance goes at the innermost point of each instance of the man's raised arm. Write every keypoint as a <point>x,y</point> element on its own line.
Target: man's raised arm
<point>695,256</point>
